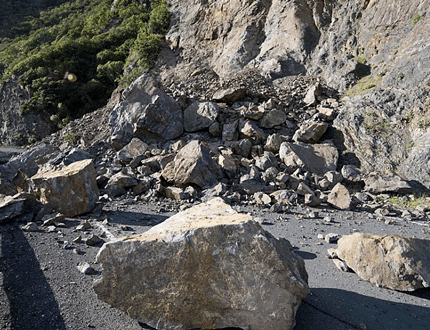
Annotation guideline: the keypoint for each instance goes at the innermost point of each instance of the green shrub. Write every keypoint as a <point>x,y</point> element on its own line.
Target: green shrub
<point>415,19</point>
<point>73,56</point>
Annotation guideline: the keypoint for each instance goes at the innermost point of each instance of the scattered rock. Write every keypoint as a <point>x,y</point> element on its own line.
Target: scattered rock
<point>85,268</point>
<point>339,197</point>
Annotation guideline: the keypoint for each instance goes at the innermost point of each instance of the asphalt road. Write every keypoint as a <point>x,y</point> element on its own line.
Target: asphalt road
<point>41,287</point>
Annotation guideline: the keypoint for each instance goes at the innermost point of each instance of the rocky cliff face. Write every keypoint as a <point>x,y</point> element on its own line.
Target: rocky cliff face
<point>374,52</point>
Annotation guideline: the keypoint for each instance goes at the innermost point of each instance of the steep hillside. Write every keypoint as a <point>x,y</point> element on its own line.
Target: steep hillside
<point>373,53</point>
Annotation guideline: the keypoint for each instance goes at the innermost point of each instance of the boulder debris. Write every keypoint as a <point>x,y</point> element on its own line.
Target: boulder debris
<point>215,268</point>
<point>394,262</point>
<point>71,190</point>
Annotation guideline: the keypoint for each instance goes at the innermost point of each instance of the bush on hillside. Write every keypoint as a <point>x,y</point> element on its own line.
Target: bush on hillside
<point>73,56</point>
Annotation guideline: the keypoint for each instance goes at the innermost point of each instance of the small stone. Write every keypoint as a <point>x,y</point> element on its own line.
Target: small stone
<point>30,226</point>
<point>77,239</point>
<point>332,238</point>
<point>85,268</point>
<point>332,253</point>
<point>93,240</point>
<point>341,265</point>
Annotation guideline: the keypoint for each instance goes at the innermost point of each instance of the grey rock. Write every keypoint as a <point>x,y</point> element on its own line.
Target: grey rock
<point>93,240</point>
<point>310,131</point>
<point>196,251</point>
<point>375,183</point>
<point>230,132</point>
<point>317,158</point>
<point>200,115</point>
<point>273,118</point>
<point>14,207</point>
<point>85,268</point>
<point>250,130</point>
<point>30,226</point>
<point>146,112</point>
<point>229,95</point>
<point>266,161</point>
<point>193,165</point>
<point>122,180</point>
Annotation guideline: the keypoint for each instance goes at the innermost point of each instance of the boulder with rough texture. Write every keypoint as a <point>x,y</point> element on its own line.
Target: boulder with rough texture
<point>394,262</point>
<point>71,190</point>
<point>200,115</point>
<point>340,197</point>
<point>193,165</point>
<point>207,267</point>
<point>318,158</point>
<point>146,112</point>
<point>310,131</point>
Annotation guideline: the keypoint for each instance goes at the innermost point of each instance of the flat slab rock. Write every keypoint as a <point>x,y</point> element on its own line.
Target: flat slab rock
<point>207,267</point>
<point>394,262</point>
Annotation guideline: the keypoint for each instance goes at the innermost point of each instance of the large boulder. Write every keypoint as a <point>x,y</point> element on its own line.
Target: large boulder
<point>394,262</point>
<point>71,190</point>
<point>146,112</point>
<point>193,165</point>
<point>207,267</point>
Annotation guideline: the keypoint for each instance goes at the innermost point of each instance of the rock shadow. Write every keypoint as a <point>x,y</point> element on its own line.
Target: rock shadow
<point>130,218</point>
<point>327,308</point>
<point>32,302</point>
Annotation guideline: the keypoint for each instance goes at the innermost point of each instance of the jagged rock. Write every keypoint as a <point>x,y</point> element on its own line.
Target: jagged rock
<point>262,198</point>
<point>209,251</point>
<point>193,165</point>
<point>310,131</point>
<point>200,115</point>
<point>318,158</point>
<point>230,132</point>
<point>30,226</point>
<point>311,95</point>
<point>12,207</point>
<point>71,190</point>
<point>135,148</point>
<point>146,112</point>
<point>351,173</point>
<point>175,193</point>
<point>49,219</point>
<point>229,95</point>
<point>273,118</point>
<point>122,180</point>
<point>85,268</point>
<point>228,165</point>
<point>375,183</point>
<point>273,142</point>
<point>266,161</point>
<point>242,147</point>
<point>394,262</point>
<point>250,130</point>
<point>340,197</point>
<point>27,162</point>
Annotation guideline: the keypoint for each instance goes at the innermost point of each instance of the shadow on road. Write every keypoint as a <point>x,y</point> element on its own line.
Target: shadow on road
<point>31,300</point>
<point>337,309</point>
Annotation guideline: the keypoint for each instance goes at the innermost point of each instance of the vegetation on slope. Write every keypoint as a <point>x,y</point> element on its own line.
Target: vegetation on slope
<point>73,56</point>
